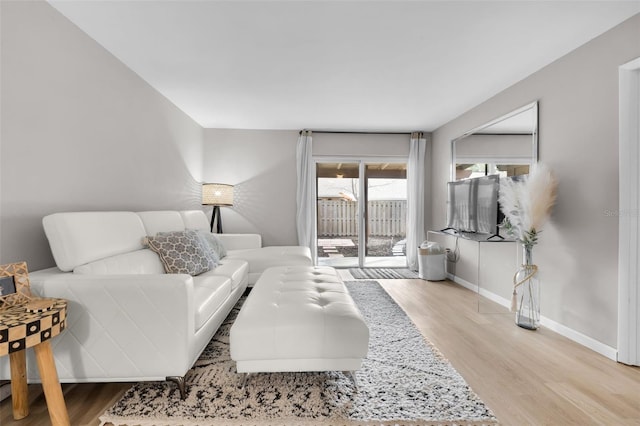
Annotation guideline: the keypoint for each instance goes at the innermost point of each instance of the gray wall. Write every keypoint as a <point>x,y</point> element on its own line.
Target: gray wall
<point>361,145</point>
<point>578,100</point>
<point>80,131</point>
<point>262,166</point>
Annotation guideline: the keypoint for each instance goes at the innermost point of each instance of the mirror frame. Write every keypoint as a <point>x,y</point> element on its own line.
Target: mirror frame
<point>534,154</point>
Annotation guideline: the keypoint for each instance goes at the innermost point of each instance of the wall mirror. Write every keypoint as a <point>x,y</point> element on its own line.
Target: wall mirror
<point>507,146</point>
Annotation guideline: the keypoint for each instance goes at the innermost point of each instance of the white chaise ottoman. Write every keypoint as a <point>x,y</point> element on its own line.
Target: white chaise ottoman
<point>299,318</point>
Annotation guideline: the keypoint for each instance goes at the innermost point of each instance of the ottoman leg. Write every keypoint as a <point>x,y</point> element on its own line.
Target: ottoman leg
<point>244,380</point>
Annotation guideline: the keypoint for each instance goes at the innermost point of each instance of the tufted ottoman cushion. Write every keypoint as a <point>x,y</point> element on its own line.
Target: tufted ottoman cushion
<point>299,318</point>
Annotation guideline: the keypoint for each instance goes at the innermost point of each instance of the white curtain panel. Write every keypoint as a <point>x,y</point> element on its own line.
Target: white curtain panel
<point>415,198</point>
<point>305,214</point>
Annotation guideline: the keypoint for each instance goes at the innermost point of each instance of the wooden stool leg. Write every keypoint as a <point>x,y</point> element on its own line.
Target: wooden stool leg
<point>51,385</point>
<point>19,390</point>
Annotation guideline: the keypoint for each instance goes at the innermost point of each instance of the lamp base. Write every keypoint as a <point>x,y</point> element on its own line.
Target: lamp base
<point>216,215</point>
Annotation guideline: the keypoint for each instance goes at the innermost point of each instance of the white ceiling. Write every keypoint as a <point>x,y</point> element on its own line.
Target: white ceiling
<point>338,65</point>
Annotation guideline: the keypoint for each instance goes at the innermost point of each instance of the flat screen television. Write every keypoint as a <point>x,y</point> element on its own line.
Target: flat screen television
<point>472,205</point>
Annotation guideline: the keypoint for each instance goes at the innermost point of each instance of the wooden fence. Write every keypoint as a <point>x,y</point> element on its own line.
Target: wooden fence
<point>387,218</point>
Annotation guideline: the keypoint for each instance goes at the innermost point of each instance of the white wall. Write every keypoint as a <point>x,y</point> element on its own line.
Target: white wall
<point>80,131</point>
<point>262,166</point>
<point>578,122</point>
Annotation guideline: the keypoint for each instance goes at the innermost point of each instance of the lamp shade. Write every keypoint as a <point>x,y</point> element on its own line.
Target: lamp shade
<point>217,194</point>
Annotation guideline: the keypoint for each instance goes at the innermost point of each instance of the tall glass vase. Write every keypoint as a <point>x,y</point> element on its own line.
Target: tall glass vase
<point>527,292</point>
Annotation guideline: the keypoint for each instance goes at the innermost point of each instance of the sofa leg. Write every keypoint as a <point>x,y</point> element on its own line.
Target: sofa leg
<point>179,381</point>
<point>352,376</point>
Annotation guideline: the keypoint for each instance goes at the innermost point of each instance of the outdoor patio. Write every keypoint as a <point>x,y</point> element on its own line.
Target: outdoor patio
<point>348,246</point>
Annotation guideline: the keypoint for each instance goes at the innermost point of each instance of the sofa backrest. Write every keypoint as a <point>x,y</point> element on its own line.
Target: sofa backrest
<point>161,221</point>
<point>77,238</point>
<point>195,219</point>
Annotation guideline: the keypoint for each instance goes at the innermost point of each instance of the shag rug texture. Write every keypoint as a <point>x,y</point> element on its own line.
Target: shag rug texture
<point>382,273</point>
<point>403,381</point>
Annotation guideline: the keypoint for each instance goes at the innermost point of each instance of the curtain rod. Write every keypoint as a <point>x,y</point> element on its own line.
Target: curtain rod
<point>500,134</point>
<point>356,132</point>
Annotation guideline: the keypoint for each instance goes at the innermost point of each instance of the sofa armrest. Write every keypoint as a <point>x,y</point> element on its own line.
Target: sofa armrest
<point>148,320</point>
<point>240,241</point>
<point>168,298</point>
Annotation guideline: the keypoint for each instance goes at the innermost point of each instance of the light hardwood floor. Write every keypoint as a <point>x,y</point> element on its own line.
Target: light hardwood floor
<point>525,377</point>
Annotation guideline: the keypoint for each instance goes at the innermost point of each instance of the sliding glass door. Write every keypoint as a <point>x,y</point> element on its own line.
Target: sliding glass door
<point>361,213</point>
<point>338,213</point>
<point>386,214</point>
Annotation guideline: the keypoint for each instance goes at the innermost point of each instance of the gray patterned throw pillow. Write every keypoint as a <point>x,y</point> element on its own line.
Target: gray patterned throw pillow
<point>181,252</point>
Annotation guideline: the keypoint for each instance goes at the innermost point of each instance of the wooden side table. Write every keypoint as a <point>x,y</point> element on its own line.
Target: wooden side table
<point>19,330</point>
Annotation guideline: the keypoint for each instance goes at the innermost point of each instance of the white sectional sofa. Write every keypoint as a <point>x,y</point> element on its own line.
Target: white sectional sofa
<point>127,319</point>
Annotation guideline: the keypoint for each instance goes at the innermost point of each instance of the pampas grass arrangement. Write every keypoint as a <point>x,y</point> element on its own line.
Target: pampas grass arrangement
<point>527,204</point>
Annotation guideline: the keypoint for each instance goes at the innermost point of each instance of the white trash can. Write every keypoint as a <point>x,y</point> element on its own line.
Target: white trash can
<point>432,264</point>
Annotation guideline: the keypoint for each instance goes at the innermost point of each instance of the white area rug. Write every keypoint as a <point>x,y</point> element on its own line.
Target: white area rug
<point>404,381</point>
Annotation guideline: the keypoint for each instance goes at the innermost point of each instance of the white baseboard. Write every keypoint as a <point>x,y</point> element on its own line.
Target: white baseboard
<point>464,283</point>
<point>576,336</point>
<point>495,298</point>
<point>563,330</point>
